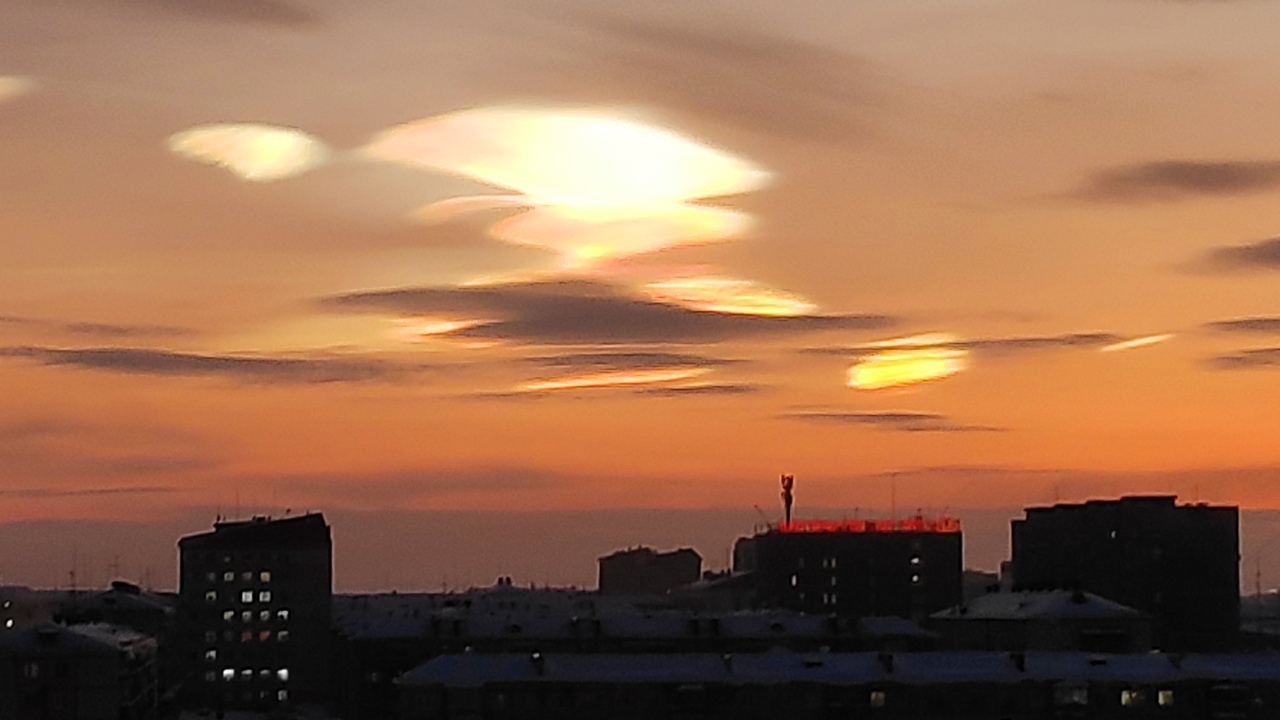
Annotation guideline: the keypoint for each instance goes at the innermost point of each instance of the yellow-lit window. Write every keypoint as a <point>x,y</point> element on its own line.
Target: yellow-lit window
<point>265,576</point>
<point>1164,698</point>
<point>877,699</point>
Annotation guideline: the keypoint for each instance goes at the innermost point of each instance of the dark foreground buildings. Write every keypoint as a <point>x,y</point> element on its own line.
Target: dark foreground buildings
<point>907,568</point>
<point>1177,563</point>
<point>255,602</point>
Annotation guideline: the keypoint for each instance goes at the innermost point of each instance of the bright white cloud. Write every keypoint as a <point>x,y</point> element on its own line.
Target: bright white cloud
<point>258,153</point>
<point>1138,342</point>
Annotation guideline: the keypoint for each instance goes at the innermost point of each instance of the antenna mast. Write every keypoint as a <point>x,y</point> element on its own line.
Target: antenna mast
<point>788,482</point>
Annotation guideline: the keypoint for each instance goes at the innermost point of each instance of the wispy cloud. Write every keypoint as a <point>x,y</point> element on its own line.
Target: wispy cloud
<point>1247,325</point>
<point>716,69</point>
<point>87,328</point>
<point>1178,179</point>
<point>904,421</point>
<point>243,368</point>
<point>626,360</point>
<point>255,12</point>
<point>700,389</point>
<point>993,346</point>
<point>39,493</point>
<point>1248,359</point>
<point>1262,255</point>
<point>585,312</point>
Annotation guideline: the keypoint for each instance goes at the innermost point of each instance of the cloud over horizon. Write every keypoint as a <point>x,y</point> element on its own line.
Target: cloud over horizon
<point>897,420</point>
<point>1262,255</point>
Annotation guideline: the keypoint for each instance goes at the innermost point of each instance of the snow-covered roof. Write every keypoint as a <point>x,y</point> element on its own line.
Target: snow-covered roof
<point>1026,605</point>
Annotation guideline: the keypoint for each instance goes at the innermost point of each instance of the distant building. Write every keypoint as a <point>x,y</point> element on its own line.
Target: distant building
<point>22,607</point>
<point>255,601</point>
<point>80,672</point>
<point>905,568</point>
<point>644,571</point>
<point>1044,620</point>
<point>1178,563</point>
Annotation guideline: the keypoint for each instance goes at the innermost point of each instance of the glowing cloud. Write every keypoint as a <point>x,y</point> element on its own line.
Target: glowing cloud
<point>424,328</point>
<point>612,378</point>
<point>1136,342</point>
<point>575,159</point>
<point>896,368</point>
<point>258,153</point>
<point>713,293</point>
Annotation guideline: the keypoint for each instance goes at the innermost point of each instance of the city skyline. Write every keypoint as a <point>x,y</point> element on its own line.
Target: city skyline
<point>520,260</point>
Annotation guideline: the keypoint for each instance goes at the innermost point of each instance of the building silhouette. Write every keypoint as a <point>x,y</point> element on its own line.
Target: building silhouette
<point>1178,563</point>
<point>644,571</point>
<point>254,604</point>
<point>906,568</point>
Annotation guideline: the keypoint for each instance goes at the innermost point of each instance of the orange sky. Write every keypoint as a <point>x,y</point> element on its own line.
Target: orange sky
<point>1035,179</point>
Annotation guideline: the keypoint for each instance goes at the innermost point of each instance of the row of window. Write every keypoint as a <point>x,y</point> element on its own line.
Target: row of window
<point>245,636</point>
<point>229,674</point>
<point>246,576</point>
<point>282,615</point>
<point>246,596</point>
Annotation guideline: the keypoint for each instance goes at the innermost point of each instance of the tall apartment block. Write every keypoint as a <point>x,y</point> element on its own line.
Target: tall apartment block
<point>254,609</point>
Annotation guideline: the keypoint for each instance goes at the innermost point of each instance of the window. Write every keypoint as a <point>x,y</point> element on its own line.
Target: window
<point>264,673</point>
<point>246,674</point>
<point>795,580</point>
<point>264,596</point>
<point>265,576</point>
<point>246,596</point>
<point>8,623</point>
<point>211,576</point>
<point>264,635</point>
<point>801,563</point>
<point>1130,698</point>
<point>1164,698</point>
<point>833,581</point>
<point>8,604</point>
<point>915,559</point>
<point>915,579</point>
<point>246,616</point>
<point>282,695</point>
<point>211,654</point>
<point>246,636</point>
<point>211,637</point>
<point>247,576</point>
<point>228,674</point>
<point>283,674</point>
<point>228,576</point>
<point>264,615</point>
<point>282,636</point>
<point>228,615</point>
<point>210,675</point>
<point>877,699</point>
<point>283,613</point>
<point>31,670</point>
<point>226,560</point>
<point>211,596</point>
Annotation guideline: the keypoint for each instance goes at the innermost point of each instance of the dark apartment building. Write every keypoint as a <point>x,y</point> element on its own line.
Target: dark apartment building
<point>907,568</point>
<point>1178,563</point>
<point>644,571</point>
<point>254,604</point>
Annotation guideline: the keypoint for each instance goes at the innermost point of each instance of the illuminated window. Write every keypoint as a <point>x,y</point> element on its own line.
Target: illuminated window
<point>833,581</point>
<point>283,674</point>
<point>915,579</point>
<point>282,695</point>
<point>8,604</point>
<point>265,576</point>
<point>1164,698</point>
<point>915,559</point>
<point>877,699</point>
<point>211,654</point>
<point>1071,695</point>
<point>795,580</point>
<point>264,615</point>
<point>211,596</point>
<point>246,596</point>
<point>8,623</point>
<point>1130,698</point>
<point>282,636</point>
<point>228,576</point>
<point>264,635</point>
<point>264,673</point>
<point>228,674</point>
<point>246,616</point>
<point>226,559</point>
<point>283,613</point>
<point>246,674</point>
<point>228,615</point>
<point>264,596</point>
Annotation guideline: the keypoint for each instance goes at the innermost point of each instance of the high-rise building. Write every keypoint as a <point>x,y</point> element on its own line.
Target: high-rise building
<point>908,568</point>
<point>1178,563</point>
<point>254,602</point>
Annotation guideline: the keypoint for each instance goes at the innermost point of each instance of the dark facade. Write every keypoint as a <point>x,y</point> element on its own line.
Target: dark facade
<point>1179,564</point>
<point>908,568</point>
<point>644,571</point>
<point>255,600</point>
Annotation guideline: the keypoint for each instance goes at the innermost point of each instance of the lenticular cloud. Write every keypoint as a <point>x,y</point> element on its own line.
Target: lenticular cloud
<point>594,188</point>
<point>258,153</point>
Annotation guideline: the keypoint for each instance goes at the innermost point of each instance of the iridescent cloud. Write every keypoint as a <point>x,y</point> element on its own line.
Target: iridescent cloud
<point>714,293</point>
<point>896,368</point>
<point>258,153</point>
<point>1138,342</point>
<point>612,378</point>
<point>600,188</point>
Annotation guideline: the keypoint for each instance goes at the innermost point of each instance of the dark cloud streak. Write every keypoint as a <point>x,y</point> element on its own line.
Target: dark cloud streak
<point>1263,255</point>
<point>1177,179</point>
<point>901,421</point>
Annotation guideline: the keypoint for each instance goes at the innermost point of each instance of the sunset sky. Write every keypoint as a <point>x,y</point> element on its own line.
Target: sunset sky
<point>543,260</point>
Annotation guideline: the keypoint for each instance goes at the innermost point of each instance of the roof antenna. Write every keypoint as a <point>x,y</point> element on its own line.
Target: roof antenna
<point>788,482</point>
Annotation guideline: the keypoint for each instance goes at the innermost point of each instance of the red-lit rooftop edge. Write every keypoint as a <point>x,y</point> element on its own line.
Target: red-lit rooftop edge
<point>915,524</point>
